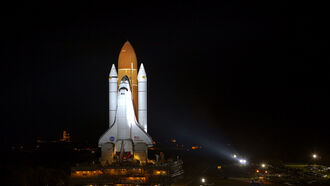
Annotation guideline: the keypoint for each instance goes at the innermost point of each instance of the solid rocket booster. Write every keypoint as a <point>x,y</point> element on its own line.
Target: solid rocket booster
<point>113,88</point>
<point>142,96</point>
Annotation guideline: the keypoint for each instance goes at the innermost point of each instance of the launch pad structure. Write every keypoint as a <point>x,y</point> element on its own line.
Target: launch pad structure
<point>124,146</point>
<point>132,174</point>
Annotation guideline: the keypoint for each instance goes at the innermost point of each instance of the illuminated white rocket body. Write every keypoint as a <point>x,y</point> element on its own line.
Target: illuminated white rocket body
<point>142,96</point>
<point>113,88</point>
<point>127,138</point>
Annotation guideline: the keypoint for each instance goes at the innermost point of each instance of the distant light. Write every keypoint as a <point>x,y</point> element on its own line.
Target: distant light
<point>314,156</point>
<point>219,167</point>
<point>195,147</point>
<point>257,171</point>
<point>266,172</point>
<point>242,161</point>
<point>203,180</point>
<point>263,165</point>
<point>235,156</point>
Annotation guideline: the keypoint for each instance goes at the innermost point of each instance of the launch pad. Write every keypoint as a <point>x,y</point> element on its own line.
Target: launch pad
<point>132,174</point>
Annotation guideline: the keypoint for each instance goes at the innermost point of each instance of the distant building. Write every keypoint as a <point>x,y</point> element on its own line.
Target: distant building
<point>65,136</point>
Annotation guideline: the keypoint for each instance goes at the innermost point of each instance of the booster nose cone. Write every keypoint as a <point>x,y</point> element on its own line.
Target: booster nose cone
<point>142,75</point>
<point>127,57</point>
<point>113,71</point>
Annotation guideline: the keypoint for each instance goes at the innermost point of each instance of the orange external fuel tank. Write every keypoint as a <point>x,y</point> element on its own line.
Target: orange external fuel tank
<point>127,65</point>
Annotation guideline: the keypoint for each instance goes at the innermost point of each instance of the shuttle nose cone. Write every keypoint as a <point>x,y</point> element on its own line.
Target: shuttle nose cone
<point>124,79</point>
<point>127,57</point>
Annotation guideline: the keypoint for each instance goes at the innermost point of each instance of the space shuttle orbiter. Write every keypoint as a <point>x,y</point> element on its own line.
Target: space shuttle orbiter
<point>127,138</point>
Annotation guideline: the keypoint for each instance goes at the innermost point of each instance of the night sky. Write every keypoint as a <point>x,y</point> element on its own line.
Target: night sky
<point>243,76</point>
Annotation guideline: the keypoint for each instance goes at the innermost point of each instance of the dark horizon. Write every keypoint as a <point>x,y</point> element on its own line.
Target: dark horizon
<point>246,74</point>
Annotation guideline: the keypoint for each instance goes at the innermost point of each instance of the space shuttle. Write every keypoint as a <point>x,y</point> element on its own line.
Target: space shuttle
<point>127,138</point>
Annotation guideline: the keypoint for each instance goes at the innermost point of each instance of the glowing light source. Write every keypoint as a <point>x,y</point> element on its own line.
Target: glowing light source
<point>263,165</point>
<point>314,156</point>
<point>242,161</point>
<point>203,180</point>
<point>234,156</point>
